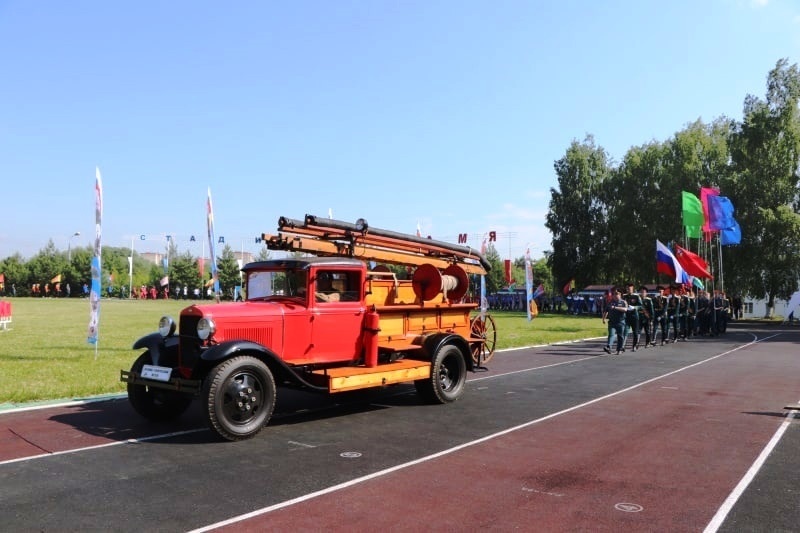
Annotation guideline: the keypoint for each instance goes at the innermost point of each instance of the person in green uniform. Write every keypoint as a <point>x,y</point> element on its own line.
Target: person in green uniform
<point>632,315</point>
<point>646,314</point>
<point>615,312</point>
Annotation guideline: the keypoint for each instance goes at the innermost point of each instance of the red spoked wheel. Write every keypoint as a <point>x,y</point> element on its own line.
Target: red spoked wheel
<point>483,337</point>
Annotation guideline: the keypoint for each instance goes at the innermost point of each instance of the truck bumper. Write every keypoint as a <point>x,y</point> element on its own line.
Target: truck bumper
<point>189,386</point>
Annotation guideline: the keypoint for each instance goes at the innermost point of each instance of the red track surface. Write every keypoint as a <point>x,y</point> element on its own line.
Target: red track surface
<point>676,447</point>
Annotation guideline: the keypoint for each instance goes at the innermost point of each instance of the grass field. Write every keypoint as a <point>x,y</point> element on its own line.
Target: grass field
<point>45,355</point>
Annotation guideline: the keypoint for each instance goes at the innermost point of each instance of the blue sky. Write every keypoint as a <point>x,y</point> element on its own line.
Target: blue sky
<point>449,114</point>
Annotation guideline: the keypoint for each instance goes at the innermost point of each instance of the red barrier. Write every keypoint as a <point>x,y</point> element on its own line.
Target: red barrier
<point>5,315</point>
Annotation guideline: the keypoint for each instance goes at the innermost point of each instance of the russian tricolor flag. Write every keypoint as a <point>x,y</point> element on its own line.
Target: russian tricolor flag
<point>667,264</point>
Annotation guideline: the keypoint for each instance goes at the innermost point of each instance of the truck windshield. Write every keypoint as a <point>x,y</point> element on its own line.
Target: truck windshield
<point>285,283</point>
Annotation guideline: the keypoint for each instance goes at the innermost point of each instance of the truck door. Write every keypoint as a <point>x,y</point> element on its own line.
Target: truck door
<point>337,317</point>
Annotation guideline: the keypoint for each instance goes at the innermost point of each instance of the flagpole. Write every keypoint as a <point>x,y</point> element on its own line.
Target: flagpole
<point>719,254</point>
<point>130,273</point>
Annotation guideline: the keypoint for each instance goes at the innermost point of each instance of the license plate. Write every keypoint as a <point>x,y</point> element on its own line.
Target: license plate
<point>156,373</point>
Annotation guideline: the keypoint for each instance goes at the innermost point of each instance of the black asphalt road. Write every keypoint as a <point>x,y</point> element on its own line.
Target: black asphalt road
<point>192,480</point>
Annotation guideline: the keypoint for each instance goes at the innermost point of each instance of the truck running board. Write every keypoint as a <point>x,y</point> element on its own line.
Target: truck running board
<point>360,377</point>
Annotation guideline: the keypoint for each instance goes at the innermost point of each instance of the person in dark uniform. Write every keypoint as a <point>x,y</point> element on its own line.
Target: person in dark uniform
<point>726,312</point>
<point>683,308</point>
<point>716,313</point>
<point>673,301</point>
<point>703,313</point>
<point>634,302</point>
<point>646,314</point>
<point>615,311</point>
<point>660,315</point>
<point>691,313</point>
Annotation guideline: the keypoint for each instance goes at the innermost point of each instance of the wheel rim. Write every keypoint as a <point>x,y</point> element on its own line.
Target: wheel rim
<point>243,397</point>
<point>448,373</point>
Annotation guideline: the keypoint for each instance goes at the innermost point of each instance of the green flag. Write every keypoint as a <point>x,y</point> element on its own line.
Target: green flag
<point>693,217</point>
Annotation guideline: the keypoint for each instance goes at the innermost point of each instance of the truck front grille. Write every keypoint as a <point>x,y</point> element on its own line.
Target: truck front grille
<point>189,341</point>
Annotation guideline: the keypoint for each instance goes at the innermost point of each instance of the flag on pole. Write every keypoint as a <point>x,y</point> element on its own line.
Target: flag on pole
<point>705,192</point>
<point>56,279</point>
<point>732,235</point>
<point>94,294</point>
<point>211,245</point>
<point>667,264</point>
<point>693,264</point>
<point>539,291</point>
<point>720,213</point>
<point>569,286</point>
<point>484,299</point>
<point>528,281</point>
<point>693,218</point>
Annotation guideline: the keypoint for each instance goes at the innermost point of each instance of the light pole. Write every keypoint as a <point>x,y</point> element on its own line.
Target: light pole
<point>69,245</point>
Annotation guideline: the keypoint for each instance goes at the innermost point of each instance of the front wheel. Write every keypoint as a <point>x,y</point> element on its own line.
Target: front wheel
<point>153,403</point>
<point>240,397</point>
<point>448,376</point>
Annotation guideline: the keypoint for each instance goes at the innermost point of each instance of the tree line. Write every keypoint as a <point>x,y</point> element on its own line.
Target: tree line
<point>72,268</point>
<point>605,217</point>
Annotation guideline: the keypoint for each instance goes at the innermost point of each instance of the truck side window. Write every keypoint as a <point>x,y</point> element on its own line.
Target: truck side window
<point>336,286</point>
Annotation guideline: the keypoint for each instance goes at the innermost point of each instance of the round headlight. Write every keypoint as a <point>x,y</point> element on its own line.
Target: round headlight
<point>166,326</point>
<point>206,328</point>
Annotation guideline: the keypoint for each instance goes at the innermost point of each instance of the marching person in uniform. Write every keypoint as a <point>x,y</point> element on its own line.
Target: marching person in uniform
<point>672,314</point>
<point>683,308</point>
<point>646,314</point>
<point>615,311</point>
<point>632,316</point>
<point>660,316</point>
<point>691,313</point>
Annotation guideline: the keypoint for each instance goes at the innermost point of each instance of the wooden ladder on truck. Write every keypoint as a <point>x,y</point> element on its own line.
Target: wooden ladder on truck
<point>440,267</point>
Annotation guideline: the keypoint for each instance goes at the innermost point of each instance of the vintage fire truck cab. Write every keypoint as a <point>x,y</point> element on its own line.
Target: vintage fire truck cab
<point>325,324</point>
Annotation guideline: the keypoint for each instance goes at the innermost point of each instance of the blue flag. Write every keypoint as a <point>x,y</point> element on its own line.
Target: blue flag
<point>732,235</point>
<point>720,213</point>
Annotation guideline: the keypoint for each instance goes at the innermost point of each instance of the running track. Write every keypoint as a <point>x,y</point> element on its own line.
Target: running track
<point>680,438</point>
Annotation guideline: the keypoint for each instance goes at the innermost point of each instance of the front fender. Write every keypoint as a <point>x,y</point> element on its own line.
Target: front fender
<point>158,346</point>
<point>278,367</point>
<point>218,352</point>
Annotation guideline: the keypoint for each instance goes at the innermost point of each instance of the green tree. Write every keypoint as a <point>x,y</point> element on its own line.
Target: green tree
<point>15,272</point>
<point>46,265</point>
<point>184,272</point>
<point>577,215</point>
<point>765,155</point>
<point>496,278</point>
<point>228,269</point>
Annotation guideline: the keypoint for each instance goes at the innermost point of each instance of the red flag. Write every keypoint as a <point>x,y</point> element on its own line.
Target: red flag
<point>507,263</point>
<point>693,264</point>
<point>569,286</point>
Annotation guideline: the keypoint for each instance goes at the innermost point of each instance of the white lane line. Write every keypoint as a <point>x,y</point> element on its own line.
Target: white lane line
<point>380,473</point>
<point>737,492</point>
<point>105,445</point>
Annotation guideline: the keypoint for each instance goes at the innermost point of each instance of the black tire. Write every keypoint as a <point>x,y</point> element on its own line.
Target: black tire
<point>240,397</point>
<point>152,403</point>
<point>448,376</point>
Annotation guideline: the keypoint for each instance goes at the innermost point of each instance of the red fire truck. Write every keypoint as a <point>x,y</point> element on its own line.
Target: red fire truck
<point>326,323</point>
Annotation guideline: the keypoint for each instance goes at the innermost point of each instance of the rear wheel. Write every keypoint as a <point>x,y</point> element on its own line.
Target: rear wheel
<point>240,397</point>
<point>448,376</point>
<point>154,403</point>
<point>485,330</point>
